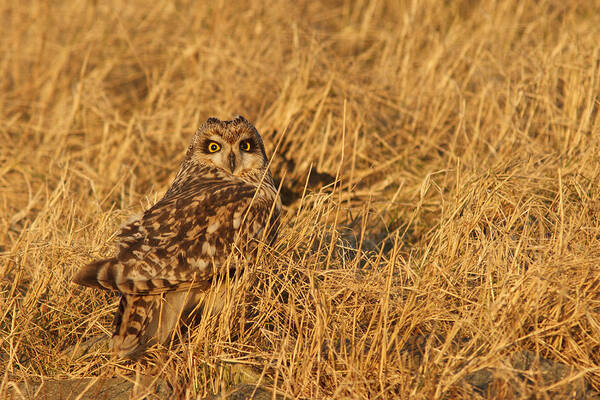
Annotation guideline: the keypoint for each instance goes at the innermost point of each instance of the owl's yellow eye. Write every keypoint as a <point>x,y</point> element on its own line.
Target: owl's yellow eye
<point>246,145</point>
<point>213,147</point>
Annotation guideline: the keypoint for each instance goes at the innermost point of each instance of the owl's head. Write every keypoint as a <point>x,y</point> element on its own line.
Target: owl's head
<point>234,145</point>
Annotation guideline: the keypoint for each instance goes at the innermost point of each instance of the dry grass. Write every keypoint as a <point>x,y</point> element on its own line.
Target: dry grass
<point>465,136</point>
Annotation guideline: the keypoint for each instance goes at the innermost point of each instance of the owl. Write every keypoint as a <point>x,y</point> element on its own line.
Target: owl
<point>220,206</point>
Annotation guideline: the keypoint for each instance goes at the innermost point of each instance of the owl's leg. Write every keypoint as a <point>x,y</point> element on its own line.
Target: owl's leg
<point>176,307</point>
<point>171,309</point>
<point>184,308</point>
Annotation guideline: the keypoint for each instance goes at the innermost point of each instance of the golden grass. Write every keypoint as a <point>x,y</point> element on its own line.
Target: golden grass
<point>465,136</point>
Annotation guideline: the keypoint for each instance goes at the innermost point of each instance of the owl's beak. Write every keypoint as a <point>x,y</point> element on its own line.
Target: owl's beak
<point>232,161</point>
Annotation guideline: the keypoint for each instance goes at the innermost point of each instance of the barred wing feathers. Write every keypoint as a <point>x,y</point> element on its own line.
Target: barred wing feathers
<point>187,237</point>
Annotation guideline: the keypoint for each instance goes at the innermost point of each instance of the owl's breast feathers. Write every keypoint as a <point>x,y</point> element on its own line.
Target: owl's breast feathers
<point>207,223</point>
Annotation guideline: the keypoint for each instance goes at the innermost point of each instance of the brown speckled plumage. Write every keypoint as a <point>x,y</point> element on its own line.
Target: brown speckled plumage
<point>210,221</point>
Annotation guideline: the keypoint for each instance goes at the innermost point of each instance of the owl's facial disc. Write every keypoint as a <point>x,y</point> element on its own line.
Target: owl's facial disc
<point>243,153</point>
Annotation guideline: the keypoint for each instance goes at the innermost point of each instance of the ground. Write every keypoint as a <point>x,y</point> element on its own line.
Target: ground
<point>438,163</point>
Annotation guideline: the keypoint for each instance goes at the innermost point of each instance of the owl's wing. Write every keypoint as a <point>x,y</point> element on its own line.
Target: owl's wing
<point>186,238</point>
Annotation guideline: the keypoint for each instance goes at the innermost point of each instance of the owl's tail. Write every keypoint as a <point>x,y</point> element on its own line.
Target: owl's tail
<point>143,318</point>
<point>100,274</point>
<point>131,335</point>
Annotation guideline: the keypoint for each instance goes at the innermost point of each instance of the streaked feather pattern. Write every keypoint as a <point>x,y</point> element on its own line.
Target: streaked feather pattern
<point>209,221</point>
